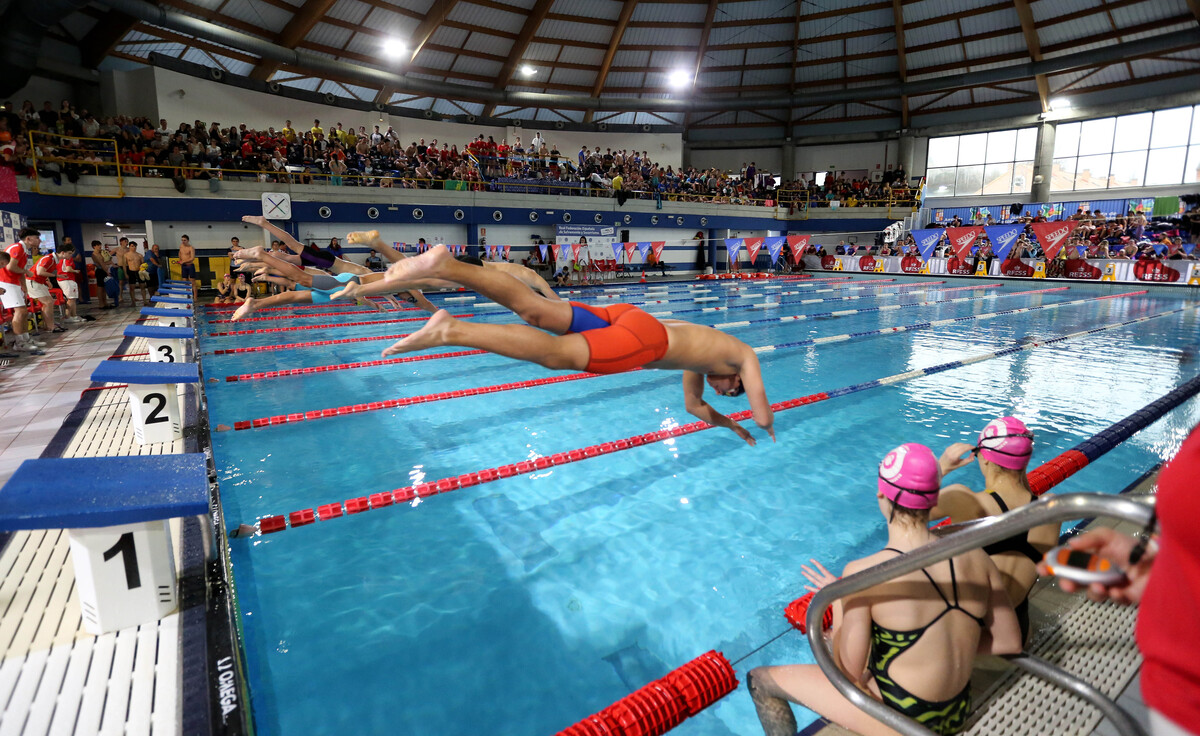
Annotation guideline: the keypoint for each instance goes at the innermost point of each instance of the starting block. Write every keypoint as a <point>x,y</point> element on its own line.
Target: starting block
<point>1110,272</point>
<point>116,520</point>
<point>173,302</point>
<point>168,317</point>
<point>152,389</point>
<point>167,344</point>
<point>880,265</point>
<point>1039,271</point>
<point>1193,277</point>
<point>837,264</point>
<point>981,267</point>
<point>177,282</point>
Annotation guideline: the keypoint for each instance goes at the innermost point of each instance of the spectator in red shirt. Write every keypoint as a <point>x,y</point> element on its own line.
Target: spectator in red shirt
<point>38,284</point>
<point>12,280</point>
<point>65,275</point>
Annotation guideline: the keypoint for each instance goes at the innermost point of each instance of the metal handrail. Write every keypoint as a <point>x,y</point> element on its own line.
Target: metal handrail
<point>1045,511</point>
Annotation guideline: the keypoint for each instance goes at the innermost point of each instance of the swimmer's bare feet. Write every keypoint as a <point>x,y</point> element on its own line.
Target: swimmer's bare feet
<point>349,291</point>
<point>247,307</point>
<point>369,238</point>
<point>435,333</point>
<point>258,220</point>
<point>424,267</point>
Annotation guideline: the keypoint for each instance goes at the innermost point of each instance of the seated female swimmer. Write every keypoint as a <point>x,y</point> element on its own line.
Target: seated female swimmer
<point>909,642</point>
<point>241,289</point>
<point>1004,449</point>
<point>225,290</point>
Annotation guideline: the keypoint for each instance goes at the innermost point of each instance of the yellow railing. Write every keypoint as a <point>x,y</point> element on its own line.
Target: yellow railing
<point>65,157</point>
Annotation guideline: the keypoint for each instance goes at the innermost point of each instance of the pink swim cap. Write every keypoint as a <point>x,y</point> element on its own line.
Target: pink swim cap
<point>1007,442</point>
<point>910,477</point>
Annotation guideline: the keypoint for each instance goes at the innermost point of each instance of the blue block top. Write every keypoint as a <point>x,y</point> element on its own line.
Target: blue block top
<point>171,300</point>
<point>139,371</point>
<point>177,283</point>
<point>164,312</point>
<point>103,491</point>
<point>180,293</point>
<point>160,333</point>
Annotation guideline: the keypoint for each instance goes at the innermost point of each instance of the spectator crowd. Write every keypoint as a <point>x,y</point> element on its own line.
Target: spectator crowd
<point>69,142</point>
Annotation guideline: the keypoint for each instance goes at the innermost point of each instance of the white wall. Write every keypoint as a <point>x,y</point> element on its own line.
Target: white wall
<point>732,159</point>
<point>129,93</point>
<point>40,89</point>
<point>205,100</point>
<point>843,156</point>
<point>516,235</point>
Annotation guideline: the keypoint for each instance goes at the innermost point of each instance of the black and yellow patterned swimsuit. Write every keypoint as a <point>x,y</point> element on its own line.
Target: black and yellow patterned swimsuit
<point>943,717</point>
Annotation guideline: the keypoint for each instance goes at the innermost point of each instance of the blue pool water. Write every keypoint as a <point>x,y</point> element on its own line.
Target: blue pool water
<point>520,606</point>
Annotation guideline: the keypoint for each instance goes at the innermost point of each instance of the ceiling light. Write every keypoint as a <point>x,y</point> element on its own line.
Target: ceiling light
<point>679,78</point>
<point>1060,103</point>
<point>528,70</point>
<point>394,48</point>
<point>110,224</point>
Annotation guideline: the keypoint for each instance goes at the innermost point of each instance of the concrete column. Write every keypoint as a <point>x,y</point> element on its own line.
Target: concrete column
<point>787,155</point>
<point>1043,162</point>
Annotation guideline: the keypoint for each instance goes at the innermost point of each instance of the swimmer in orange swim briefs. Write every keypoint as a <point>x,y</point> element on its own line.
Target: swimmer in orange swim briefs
<point>610,339</point>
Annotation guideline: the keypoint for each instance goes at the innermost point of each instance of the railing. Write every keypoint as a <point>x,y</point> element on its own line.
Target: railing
<point>1056,509</point>
<point>104,149</point>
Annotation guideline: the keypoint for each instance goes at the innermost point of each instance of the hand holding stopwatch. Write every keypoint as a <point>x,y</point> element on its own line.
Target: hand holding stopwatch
<point>1081,567</point>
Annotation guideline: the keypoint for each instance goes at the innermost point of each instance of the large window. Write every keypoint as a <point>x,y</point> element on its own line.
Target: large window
<point>1146,149</point>
<point>1000,162</point>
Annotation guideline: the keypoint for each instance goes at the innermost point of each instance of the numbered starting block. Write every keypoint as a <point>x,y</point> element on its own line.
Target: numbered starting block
<point>115,510</point>
<point>880,265</point>
<point>981,268</point>
<point>1193,278</point>
<point>153,389</point>
<point>172,302</point>
<point>837,264</point>
<point>168,317</point>
<point>167,344</point>
<point>1110,272</point>
<point>1039,271</point>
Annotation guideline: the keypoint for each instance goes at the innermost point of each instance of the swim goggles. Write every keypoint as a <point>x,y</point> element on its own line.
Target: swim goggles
<point>980,446</point>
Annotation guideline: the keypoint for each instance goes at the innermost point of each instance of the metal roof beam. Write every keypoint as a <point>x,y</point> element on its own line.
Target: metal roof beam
<point>1035,49</point>
<point>901,63</point>
<point>519,47</point>
<point>305,17</point>
<point>425,29</point>
<point>613,43</point>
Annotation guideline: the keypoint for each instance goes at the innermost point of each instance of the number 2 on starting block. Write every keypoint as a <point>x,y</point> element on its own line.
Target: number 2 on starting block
<point>155,411</point>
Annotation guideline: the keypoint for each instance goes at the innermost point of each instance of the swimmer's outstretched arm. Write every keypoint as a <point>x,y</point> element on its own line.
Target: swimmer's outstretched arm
<point>693,401</point>
<point>756,393</point>
<point>295,245</point>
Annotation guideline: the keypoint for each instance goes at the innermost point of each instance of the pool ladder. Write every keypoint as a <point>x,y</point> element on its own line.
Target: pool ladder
<point>962,539</point>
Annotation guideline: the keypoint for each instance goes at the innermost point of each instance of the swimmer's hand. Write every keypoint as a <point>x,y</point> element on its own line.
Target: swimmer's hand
<point>1114,547</point>
<point>349,291</point>
<point>819,577</point>
<point>740,431</point>
<point>953,457</point>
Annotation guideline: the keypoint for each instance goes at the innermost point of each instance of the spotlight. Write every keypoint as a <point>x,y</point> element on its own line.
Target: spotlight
<point>1060,103</point>
<point>394,48</point>
<point>110,224</point>
<point>528,71</point>
<point>679,78</point>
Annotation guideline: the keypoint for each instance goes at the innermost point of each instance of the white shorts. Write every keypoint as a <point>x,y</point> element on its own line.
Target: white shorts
<point>36,290</point>
<point>12,297</point>
<point>70,289</point>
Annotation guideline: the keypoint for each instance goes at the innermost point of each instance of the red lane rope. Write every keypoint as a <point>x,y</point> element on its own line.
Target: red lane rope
<point>347,366</point>
<point>126,355</point>
<point>233,307</point>
<point>322,327</point>
<point>309,344</point>
<point>308,315</point>
<point>102,388</point>
<point>407,401</point>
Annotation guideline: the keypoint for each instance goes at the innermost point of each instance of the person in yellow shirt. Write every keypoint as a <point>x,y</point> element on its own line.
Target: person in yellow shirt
<point>289,133</point>
<point>618,182</point>
<point>317,129</point>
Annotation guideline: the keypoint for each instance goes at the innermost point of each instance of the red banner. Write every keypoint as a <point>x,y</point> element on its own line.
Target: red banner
<point>962,238</point>
<point>629,249</point>
<point>798,244</point>
<point>556,249</point>
<point>827,262</point>
<point>1052,236</point>
<point>752,247</point>
<point>911,264</point>
<point>575,248</point>
<point>1080,269</point>
<point>959,266</point>
<point>1016,267</point>
<point>657,249</point>
<point>8,185</point>
<point>866,263</point>
<point>507,248</point>
<point>1146,270</point>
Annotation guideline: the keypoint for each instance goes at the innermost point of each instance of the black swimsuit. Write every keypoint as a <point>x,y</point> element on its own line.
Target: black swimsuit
<point>943,717</point>
<point>1019,543</point>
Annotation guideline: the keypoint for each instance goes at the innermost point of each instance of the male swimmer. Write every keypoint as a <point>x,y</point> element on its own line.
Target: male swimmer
<point>610,339</point>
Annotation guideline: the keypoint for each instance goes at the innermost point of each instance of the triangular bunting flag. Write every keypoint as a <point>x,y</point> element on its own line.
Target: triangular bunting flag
<point>1003,238</point>
<point>733,247</point>
<point>962,238</point>
<point>629,249</point>
<point>798,244</point>
<point>657,247</point>
<point>575,248</point>
<point>753,245</point>
<point>643,248</point>
<point>616,251</point>
<point>774,247</point>
<point>1052,235</point>
<point>927,240</point>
